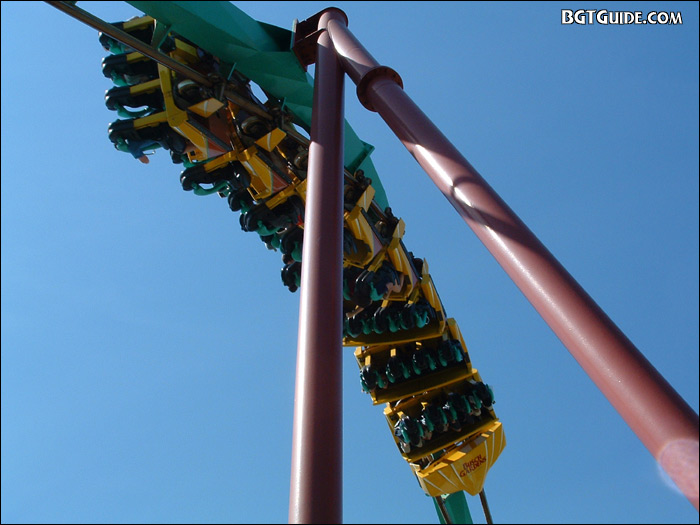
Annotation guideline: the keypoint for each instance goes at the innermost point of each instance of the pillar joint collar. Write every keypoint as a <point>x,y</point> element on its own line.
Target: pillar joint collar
<point>368,78</point>
<point>305,35</point>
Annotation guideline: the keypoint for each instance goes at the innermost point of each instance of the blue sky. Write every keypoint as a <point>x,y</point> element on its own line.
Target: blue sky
<point>149,346</point>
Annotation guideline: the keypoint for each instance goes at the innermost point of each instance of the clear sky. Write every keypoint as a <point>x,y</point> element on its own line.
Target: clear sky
<point>149,346</point>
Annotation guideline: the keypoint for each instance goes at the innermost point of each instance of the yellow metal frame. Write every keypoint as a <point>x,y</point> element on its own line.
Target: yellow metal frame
<point>465,465</point>
<point>448,462</point>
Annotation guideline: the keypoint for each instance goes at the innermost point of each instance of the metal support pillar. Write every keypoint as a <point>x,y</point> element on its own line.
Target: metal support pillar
<point>317,459</point>
<point>662,419</point>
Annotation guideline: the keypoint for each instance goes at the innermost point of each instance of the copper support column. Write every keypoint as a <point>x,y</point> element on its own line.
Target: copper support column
<point>316,480</point>
<point>662,420</point>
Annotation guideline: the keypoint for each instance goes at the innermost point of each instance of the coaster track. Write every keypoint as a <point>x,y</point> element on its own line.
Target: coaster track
<point>411,357</point>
